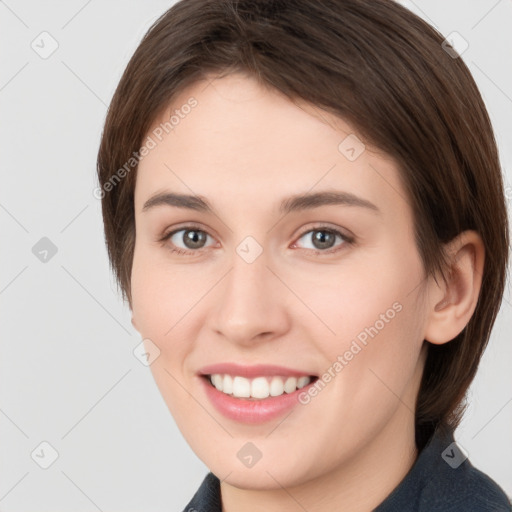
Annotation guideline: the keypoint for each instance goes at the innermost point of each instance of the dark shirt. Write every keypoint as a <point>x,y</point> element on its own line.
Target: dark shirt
<point>441,480</point>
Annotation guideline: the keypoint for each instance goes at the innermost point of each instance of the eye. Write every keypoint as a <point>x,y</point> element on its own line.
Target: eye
<point>323,239</point>
<point>186,240</point>
<point>190,240</point>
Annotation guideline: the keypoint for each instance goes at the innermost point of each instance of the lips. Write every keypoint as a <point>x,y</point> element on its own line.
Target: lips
<point>249,372</point>
<point>253,394</point>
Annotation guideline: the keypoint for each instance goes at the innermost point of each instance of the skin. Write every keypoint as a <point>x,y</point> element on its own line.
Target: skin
<point>245,148</point>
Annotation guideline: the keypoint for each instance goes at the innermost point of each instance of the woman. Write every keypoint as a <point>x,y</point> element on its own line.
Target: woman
<point>304,208</point>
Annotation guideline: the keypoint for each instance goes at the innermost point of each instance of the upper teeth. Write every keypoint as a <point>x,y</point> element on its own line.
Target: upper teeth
<point>259,387</point>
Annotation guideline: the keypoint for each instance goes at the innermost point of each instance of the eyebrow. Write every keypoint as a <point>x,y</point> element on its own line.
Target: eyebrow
<point>294,203</point>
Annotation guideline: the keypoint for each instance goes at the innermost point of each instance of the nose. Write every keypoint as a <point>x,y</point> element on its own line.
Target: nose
<point>251,304</point>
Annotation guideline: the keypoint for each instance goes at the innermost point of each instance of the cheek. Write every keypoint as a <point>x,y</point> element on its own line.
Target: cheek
<point>380,362</point>
<point>166,305</point>
<point>161,294</point>
<point>377,321</point>
<point>370,381</point>
<point>163,303</point>
<point>364,298</point>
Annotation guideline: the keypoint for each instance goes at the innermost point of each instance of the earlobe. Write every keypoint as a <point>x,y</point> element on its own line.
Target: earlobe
<point>452,303</point>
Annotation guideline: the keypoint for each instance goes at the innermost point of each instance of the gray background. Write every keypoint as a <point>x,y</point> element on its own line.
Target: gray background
<point>68,375</point>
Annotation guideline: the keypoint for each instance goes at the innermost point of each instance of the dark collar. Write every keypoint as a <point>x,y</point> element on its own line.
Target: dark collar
<point>441,479</point>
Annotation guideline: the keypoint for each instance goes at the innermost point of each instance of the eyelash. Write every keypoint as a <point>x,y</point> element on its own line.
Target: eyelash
<point>346,239</point>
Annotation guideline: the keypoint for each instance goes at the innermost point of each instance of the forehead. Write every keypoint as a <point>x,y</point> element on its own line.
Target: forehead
<point>230,135</point>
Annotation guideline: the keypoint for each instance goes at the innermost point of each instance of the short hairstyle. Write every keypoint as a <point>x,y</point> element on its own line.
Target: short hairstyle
<point>386,72</point>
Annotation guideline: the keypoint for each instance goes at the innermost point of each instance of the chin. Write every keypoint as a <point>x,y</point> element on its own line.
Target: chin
<point>273,473</point>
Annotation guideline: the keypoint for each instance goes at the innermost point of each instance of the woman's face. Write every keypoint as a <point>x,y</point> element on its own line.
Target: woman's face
<point>278,286</point>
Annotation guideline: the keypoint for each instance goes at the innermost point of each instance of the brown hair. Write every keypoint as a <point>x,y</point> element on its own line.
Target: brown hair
<point>382,69</point>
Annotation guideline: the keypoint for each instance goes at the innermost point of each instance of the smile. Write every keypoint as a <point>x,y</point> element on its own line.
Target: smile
<point>254,394</point>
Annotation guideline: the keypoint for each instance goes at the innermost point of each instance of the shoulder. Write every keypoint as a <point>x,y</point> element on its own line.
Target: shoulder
<point>465,488</point>
<point>444,480</point>
<point>207,497</point>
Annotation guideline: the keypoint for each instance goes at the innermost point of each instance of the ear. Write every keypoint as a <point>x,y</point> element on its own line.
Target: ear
<point>451,304</point>
<point>133,322</point>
